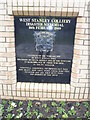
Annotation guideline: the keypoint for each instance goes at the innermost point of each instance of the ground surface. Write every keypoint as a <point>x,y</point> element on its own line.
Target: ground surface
<point>44,109</point>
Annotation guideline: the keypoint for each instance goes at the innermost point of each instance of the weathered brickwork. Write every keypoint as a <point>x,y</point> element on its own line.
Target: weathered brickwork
<point>80,79</point>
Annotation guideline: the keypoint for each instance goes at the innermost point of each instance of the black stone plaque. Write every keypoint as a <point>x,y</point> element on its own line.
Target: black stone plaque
<point>44,48</point>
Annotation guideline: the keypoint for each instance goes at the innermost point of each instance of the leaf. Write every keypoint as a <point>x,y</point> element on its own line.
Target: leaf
<point>77,104</point>
<point>60,110</point>
<point>54,104</point>
<point>20,103</point>
<point>19,115</point>
<point>47,109</point>
<point>44,105</point>
<point>62,103</point>
<point>73,111</point>
<point>65,115</point>
<point>30,103</point>
<point>40,115</point>
<point>70,113</point>
<point>1,106</point>
<point>86,104</point>
<point>28,114</point>
<point>87,114</point>
<point>9,116</point>
<point>53,116</point>
<point>28,109</point>
<point>4,102</point>
<point>35,112</point>
<point>9,109</point>
<point>1,109</point>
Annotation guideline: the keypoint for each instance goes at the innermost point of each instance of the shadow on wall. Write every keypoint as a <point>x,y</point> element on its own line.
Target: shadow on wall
<point>89,46</point>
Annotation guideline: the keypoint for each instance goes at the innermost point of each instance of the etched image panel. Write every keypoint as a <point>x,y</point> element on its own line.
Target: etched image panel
<point>44,40</point>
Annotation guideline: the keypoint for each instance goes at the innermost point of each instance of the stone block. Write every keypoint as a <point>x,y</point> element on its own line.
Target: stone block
<point>36,87</point>
<point>54,87</point>
<point>14,93</point>
<point>31,87</point>
<point>23,94</point>
<point>41,13</point>
<point>5,93</point>
<point>1,93</point>
<point>10,12</point>
<point>67,88</point>
<point>47,13</point>
<point>36,94</point>
<point>2,17</point>
<point>2,12</point>
<point>82,25</point>
<point>20,3</point>
<point>86,53</point>
<point>40,87</point>
<point>81,31</point>
<point>11,50</point>
<point>71,96</point>
<point>9,87</point>
<point>2,50</point>
<point>10,29</point>
<point>75,14</point>
<point>49,87</point>
<point>31,3</point>
<point>44,95</point>
<point>81,96</point>
<point>58,96</point>
<point>40,94</point>
<point>81,12</point>
<point>63,87</point>
<point>36,3</point>
<point>63,13</point>
<point>3,77</point>
<point>27,94</point>
<point>2,28</point>
<point>81,20</point>
<point>72,89</point>
<point>82,90</point>
<point>27,87</point>
<point>8,39</point>
<point>53,95</point>
<point>9,93</point>
<point>3,1</point>
<point>67,95</point>
<point>42,3</point>
<point>70,3</point>
<point>7,45</point>
<point>85,96</point>
<point>65,3</point>
<point>18,93</point>
<point>76,96</point>
<point>49,95</point>
<point>25,2</point>
<point>6,34</point>
<point>47,3</point>
<point>14,86</point>
<point>18,86</point>
<point>77,90</point>
<point>62,95</point>
<point>59,87</point>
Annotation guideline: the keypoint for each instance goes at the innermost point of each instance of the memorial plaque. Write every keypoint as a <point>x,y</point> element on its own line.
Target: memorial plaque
<point>44,48</point>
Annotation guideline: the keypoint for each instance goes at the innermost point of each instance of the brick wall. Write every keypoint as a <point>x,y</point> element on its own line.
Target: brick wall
<point>80,79</point>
